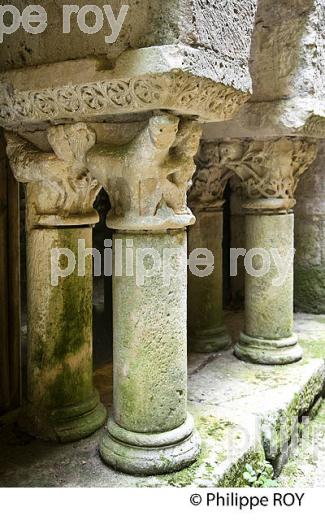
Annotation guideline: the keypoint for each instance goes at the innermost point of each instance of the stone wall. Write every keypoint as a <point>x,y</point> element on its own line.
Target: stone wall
<point>222,36</point>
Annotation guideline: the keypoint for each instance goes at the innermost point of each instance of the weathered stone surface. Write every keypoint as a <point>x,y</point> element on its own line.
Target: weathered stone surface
<point>60,190</point>
<point>238,239</point>
<point>210,179</point>
<point>269,171</point>
<point>186,57</point>
<point>228,399</point>
<point>275,396</point>
<point>287,67</point>
<point>147,179</point>
<point>206,329</point>
<point>310,239</point>
<point>142,81</point>
<point>207,332</point>
<point>62,404</point>
<point>217,40</point>
<point>305,468</point>
<point>149,432</point>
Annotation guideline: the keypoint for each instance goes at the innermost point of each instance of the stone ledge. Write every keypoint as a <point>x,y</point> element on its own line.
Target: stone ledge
<point>237,408</point>
<point>296,117</point>
<point>143,80</point>
<point>274,398</point>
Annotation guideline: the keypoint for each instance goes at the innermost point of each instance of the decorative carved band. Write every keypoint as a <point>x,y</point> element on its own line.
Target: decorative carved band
<point>177,91</point>
<point>269,170</point>
<point>210,179</point>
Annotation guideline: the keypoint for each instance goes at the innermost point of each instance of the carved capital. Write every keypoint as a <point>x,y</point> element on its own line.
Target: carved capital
<point>210,179</point>
<point>269,170</point>
<point>147,179</point>
<point>60,190</point>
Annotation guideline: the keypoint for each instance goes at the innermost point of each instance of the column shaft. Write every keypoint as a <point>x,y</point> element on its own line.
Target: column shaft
<point>207,332</point>
<point>62,403</point>
<point>150,357</point>
<point>268,336</point>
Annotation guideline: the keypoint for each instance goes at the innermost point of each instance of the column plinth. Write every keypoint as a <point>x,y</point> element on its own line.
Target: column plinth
<point>150,431</point>
<point>62,404</point>
<point>270,171</point>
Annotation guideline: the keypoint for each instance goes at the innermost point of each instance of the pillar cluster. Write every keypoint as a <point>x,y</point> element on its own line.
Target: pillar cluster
<point>131,124</point>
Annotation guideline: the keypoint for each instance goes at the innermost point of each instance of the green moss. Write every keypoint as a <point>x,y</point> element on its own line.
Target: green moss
<point>313,348</point>
<point>205,471</point>
<point>70,387</point>
<point>310,289</point>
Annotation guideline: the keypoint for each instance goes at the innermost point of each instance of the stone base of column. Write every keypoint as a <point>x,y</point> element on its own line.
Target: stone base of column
<point>150,454</point>
<point>68,424</point>
<point>212,340</point>
<point>268,352</point>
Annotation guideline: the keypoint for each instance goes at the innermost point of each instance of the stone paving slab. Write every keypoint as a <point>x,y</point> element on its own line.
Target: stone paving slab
<point>236,406</point>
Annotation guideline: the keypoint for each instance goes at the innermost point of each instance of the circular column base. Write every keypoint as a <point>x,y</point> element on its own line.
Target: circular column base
<point>268,352</point>
<point>208,341</point>
<point>64,425</point>
<point>150,454</point>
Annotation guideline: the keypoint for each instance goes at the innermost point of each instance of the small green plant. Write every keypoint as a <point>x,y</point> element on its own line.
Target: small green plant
<point>261,476</point>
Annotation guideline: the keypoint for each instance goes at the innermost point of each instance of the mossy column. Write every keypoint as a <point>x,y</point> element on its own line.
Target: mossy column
<point>309,289</point>
<point>269,171</point>
<point>62,404</point>
<point>207,332</point>
<point>149,431</point>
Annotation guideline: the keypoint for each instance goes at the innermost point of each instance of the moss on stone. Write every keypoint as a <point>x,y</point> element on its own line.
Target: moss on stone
<point>313,348</point>
<point>205,472</point>
<point>310,289</point>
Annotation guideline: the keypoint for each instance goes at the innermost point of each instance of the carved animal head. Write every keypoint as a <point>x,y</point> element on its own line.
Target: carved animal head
<point>163,130</point>
<point>71,143</point>
<point>188,138</point>
<point>229,152</point>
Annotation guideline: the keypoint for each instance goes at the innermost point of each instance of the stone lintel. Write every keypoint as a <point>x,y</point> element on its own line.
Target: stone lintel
<point>143,80</point>
<point>295,117</point>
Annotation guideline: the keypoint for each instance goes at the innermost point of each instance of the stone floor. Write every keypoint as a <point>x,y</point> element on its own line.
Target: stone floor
<point>242,411</point>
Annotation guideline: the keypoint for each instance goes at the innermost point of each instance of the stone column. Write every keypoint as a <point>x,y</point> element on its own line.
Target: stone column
<point>237,233</point>
<point>269,171</point>
<point>149,431</point>
<point>207,332</point>
<point>62,404</point>
<point>310,239</point>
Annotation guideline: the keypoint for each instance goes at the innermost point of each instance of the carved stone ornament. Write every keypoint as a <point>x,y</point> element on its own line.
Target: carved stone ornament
<point>60,190</point>
<point>210,178</point>
<point>147,180</point>
<point>269,170</point>
<point>141,81</point>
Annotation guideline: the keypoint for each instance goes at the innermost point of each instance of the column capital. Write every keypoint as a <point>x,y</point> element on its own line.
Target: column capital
<point>210,179</point>
<point>269,170</point>
<point>60,190</point>
<point>148,178</point>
